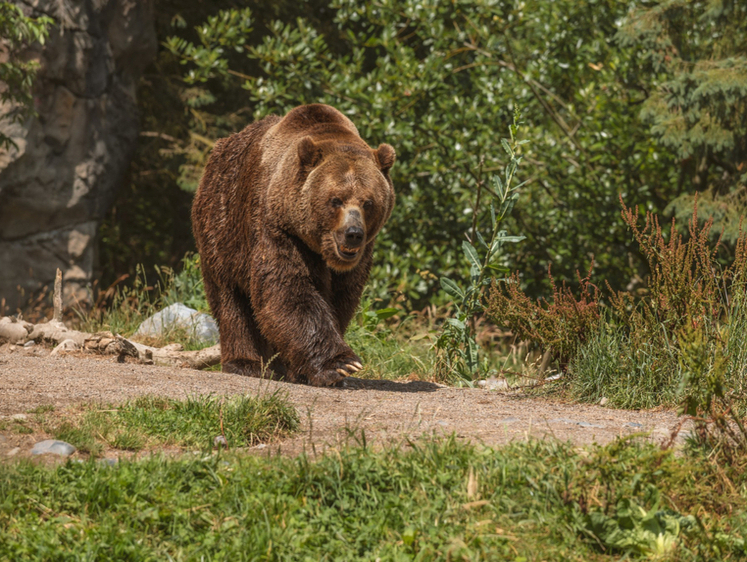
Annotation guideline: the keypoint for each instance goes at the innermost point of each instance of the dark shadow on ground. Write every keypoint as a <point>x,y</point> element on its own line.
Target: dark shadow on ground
<point>352,383</point>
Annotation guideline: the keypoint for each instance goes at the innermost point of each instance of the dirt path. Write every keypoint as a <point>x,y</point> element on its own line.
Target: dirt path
<point>385,410</point>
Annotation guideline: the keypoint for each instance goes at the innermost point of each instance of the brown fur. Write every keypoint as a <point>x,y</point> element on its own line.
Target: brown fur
<point>278,210</point>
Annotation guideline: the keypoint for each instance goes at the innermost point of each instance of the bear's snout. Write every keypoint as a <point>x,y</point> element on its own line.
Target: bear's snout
<point>354,236</point>
<point>351,235</point>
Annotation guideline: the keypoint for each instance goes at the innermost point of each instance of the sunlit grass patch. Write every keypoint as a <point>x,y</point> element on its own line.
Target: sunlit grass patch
<point>151,421</point>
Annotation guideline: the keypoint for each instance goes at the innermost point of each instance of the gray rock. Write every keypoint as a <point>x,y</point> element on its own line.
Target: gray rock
<point>201,326</point>
<point>108,462</point>
<point>51,446</point>
<point>220,441</point>
<point>634,425</point>
<point>509,420</point>
<point>72,157</point>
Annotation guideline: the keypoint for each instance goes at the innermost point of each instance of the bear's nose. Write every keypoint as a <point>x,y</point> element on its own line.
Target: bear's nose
<point>354,236</point>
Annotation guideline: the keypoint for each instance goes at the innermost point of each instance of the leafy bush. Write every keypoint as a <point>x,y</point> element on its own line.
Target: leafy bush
<point>437,79</point>
<point>17,72</point>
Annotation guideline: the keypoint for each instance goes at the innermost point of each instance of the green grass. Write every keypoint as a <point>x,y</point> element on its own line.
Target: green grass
<point>390,350</point>
<point>436,501</point>
<point>151,421</point>
<point>634,372</point>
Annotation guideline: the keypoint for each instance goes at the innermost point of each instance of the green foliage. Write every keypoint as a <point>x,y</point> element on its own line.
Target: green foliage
<point>17,32</point>
<point>458,350</point>
<point>697,105</point>
<point>435,501</point>
<point>436,79</point>
<point>151,421</point>
<point>187,286</point>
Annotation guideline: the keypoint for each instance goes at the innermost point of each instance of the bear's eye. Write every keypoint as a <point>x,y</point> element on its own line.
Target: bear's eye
<point>368,205</point>
<point>336,202</point>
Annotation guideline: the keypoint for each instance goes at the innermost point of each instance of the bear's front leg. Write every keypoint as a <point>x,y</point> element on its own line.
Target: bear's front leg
<point>293,315</point>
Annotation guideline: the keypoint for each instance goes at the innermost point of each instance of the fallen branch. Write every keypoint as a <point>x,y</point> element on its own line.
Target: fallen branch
<point>105,343</point>
<point>54,331</point>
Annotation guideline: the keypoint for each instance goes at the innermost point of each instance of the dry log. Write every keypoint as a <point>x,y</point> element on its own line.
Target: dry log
<point>173,356</point>
<point>56,332</point>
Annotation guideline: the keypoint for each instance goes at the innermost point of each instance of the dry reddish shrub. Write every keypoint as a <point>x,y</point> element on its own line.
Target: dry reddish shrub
<point>560,323</point>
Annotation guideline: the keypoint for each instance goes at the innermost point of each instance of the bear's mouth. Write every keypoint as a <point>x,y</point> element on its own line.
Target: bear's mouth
<point>347,252</point>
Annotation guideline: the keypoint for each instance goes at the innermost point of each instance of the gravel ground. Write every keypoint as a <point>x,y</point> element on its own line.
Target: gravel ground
<point>385,410</point>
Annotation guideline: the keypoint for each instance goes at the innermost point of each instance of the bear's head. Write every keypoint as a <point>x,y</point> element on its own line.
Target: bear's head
<point>345,199</point>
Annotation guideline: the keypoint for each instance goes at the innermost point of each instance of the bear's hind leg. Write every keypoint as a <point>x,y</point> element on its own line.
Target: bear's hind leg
<point>240,340</point>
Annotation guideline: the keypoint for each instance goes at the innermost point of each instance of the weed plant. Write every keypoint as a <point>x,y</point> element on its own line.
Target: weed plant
<point>151,421</point>
<point>537,500</point>
<point>560,324</point>
<point>458,358</point>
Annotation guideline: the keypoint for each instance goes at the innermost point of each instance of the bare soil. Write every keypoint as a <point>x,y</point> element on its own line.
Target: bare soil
<point>331,417</point>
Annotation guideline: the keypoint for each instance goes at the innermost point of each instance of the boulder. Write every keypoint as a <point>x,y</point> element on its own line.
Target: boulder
<point>199,325</point>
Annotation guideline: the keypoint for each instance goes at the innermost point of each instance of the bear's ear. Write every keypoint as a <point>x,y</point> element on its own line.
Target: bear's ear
<point>309,154</point>
<point>386,156</point>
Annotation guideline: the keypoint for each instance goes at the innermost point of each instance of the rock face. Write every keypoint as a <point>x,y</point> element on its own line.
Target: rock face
<point>57,185</point>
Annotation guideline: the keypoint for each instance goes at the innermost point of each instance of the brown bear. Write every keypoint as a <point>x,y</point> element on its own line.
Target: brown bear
<point>285,220</point>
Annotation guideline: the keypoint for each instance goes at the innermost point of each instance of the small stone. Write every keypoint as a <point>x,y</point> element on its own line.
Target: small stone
<point>66,345</point>
<point>635,425</point>
<point>13,452</point>
<point>19,417</point>
<point>554,377</point>
<point>30,343</point>
<point>603,401</point>
<point>493,383</point>
<point>260,446</point>
<point>509,420</point>
<point>108,462</point>
<point>53,447</point>
<point>220,441</point>
<point>587,424</point>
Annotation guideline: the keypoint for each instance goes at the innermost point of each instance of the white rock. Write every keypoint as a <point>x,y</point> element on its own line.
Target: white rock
<point>65,345</point>
<point>19,417</point>
<point>200,325</point>
<point>493,383</point>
